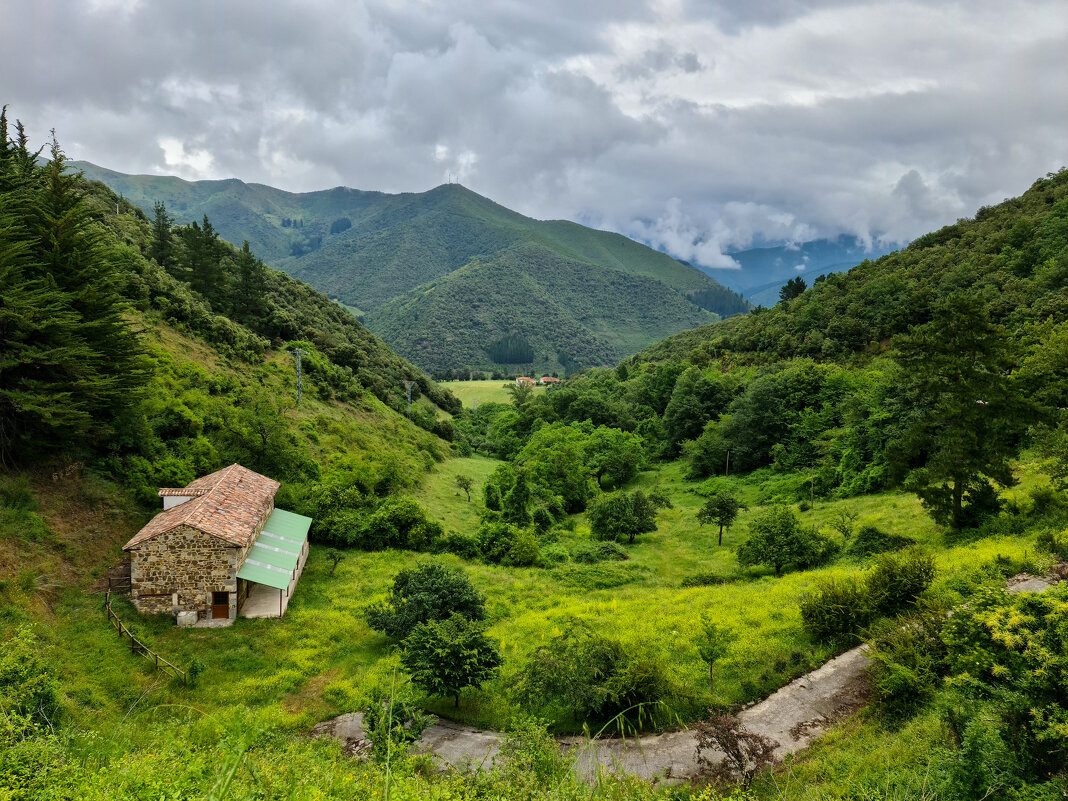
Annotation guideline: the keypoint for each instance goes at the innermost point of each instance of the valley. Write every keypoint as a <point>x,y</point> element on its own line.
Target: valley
<point>664,539</point>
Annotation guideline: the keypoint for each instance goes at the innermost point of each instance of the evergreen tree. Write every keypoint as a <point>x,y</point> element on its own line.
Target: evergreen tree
<point>161,248</point>
<point>249,289</point>
<point>968,416</point>
<point>70,363</point>
<point>794,287</point>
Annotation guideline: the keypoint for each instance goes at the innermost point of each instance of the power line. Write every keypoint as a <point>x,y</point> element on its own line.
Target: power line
<point>408,389</point>
<point>298,352</point>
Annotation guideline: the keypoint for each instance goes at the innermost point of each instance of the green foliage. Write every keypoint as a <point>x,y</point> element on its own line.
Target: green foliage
<point>622,516</point>
<point>906,660</point>
<point>72,365</point>
<point>968,415</point>
<point>510,349</point>
<point>507,544</point>
<point>28,686</point>
<point>777,539</point>
<point>393,721</point>
<point>590,677</point>
<point>719,509</point>
<point>792,288</point>
<point>870,540</point>
<point>840,608</point>
<point>430,592</point>
<point>447,656</point>
<point>713,643</point>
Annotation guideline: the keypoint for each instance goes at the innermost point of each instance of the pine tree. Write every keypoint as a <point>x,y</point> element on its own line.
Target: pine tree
<point>249,289</point>
<point>161,248</point>
<point>70,362</point>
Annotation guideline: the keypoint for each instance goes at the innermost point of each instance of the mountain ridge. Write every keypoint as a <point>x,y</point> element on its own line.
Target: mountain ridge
<point>373,251</point>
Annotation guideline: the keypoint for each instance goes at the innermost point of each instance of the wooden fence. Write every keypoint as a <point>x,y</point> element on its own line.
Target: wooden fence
<point>139,648</point>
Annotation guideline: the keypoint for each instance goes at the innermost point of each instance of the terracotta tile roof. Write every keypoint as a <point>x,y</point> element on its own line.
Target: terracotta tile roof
<point>229,504</point>
<point>185,492</point>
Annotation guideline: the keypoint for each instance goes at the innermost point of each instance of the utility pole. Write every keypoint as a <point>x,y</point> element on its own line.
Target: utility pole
<point>727,470</point>
<point>408,389</point>
<point>298,352</point>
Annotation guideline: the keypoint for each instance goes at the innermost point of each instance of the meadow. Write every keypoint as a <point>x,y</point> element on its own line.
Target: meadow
<point>472,393</point>
<point>322,659</point>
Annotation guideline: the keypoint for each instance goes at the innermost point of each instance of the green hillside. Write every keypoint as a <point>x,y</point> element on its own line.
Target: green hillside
<point>376,253</point>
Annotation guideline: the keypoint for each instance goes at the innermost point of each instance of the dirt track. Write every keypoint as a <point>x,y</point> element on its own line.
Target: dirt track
<point>793,716</point>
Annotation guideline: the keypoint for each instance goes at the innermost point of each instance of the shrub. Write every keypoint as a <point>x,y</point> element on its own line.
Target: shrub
<point>835,608</point>
<point>428,592</point>
<point>622,516</point>
<point>28,686</point>
<point>463,545</point>
<point>870,540</point>
<point>905,659</point>
<point>841,607</point>
<point>506,544</point>
<point>591,677</point>
<point>894,583</point>
<point>588,553</point>
<point>777,539</point>
<point>393,721</point>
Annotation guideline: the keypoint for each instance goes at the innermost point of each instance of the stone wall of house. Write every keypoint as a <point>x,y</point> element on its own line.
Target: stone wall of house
<point>188,562</point>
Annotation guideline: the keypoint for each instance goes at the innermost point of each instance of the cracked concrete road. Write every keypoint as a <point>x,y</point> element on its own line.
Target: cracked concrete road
<point>793,717</point>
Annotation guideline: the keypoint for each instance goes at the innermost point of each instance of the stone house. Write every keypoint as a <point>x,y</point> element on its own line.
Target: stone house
<point>218,549</point>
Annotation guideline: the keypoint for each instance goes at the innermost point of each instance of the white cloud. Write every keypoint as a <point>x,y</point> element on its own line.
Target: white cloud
<point>697,127</point>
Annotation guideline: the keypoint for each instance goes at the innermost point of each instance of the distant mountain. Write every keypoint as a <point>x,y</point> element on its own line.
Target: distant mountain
<point>765,270</point>
<point>451,279</point>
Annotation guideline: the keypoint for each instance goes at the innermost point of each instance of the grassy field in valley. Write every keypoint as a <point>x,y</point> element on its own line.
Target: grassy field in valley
<point>472,393</point>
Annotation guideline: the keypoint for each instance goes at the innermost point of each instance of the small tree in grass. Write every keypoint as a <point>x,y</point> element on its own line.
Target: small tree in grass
<point>425,593</point>
<point>777,539</point>
<point>446,656</point>
<point>465,483</point>
<point>335,557</point>
<point>620,515</point>
<point>720,509</point>
<point>713,643</point>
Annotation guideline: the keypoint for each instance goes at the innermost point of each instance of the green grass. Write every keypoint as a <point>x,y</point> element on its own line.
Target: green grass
<point>321,659</point>
<point>472,393</point>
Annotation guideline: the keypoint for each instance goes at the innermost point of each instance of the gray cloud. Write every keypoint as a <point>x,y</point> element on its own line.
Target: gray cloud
<point>694,126</point>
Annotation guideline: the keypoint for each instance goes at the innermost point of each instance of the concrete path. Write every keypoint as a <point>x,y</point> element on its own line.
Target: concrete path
<point>793,717</point>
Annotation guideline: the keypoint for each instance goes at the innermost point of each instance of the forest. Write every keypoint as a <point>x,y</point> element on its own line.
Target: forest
<point>647,546</point>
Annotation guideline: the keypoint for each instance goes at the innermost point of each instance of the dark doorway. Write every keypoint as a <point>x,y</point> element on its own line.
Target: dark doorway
<point>220,605</point>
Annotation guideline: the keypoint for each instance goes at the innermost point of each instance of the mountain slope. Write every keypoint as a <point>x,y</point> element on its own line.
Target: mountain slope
<point>371,251</point>
<point>764,270</point>
<point>1015,253</point>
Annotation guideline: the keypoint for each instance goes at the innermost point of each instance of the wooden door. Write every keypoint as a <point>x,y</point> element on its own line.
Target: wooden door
<point>220,605</point>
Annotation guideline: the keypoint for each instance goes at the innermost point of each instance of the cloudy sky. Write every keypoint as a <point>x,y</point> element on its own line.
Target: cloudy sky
<point>695,126</point>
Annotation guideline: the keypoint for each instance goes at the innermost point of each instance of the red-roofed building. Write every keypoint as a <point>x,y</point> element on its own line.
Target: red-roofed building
<point>525,381</point>
<point>216,542</point>
<point>545,380</point>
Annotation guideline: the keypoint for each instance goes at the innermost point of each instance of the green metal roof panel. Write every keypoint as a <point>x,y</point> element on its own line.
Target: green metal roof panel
<point>281,543</point>
<point>272,556</point>
<point>289,525</point>
<point>272,577</point>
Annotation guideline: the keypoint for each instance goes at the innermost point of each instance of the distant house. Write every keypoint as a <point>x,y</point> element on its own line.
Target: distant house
<point>545,380</point>
<point>218,549</point>
<point>524,381</point>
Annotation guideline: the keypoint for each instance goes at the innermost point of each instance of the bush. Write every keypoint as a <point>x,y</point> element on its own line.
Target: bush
<point>894,583</point>
<point>588,553</point>
<point>870,540</point>
<point>905,659</point>
<point>28,686</point>
<point>590,677</point>
<point>428,592</point>
<point>506,544</point>
<point>621,516</point>
<point>777,539</point>
<point>465,546</point>
<point>839,608</point>
<point>446,656</point>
